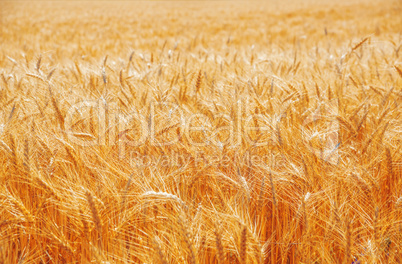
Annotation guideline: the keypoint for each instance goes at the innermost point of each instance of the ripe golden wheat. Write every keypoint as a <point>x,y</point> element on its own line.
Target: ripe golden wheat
<point>199,200</point>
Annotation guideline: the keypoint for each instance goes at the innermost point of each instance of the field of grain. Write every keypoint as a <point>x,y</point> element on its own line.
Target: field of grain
<point>201,132</point>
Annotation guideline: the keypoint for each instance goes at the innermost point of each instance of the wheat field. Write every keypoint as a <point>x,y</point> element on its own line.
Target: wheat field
<point>201,132</point>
